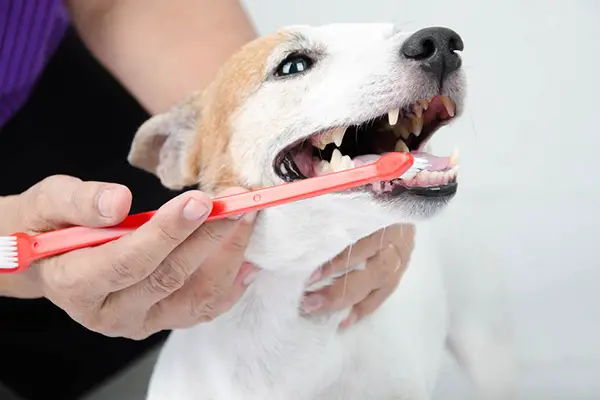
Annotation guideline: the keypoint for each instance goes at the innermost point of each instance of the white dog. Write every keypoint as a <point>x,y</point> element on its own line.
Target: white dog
<point>295,104</point>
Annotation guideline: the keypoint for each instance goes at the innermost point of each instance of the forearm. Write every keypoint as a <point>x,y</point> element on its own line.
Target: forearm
<point>162,50</point>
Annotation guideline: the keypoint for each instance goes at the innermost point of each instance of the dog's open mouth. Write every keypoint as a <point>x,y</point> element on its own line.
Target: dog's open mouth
<point>403,130</point>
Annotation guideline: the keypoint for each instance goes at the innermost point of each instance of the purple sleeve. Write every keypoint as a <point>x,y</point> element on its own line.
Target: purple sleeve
<point>30,31</point>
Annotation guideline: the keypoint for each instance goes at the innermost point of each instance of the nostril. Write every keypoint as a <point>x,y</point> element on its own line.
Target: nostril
<point>428,49</point>
<point>452,44</point>
<point>455,44</point>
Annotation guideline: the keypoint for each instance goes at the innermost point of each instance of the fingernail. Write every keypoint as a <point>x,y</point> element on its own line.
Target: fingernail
<point>315,277</point>
<point>105,203</point>
<point>312,303</point>
<point>194,210</point>
<point>250,271</point>
<point>250,278</point>
<point>250,217</point>
<point>350,320</point>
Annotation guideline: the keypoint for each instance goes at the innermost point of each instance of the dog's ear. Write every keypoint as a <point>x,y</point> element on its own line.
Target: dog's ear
<point>162,143</point>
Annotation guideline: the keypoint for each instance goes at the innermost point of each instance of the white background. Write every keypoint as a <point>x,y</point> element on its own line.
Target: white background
<point>529,172</point>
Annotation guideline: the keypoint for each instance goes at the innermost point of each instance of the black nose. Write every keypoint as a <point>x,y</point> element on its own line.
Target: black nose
<point>435,49</point>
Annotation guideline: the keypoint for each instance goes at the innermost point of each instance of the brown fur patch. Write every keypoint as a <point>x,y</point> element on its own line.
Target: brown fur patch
<point>209,158</point>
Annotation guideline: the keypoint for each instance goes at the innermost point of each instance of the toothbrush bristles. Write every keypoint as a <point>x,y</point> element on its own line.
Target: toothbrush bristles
<point>419,165</point>
<point>9,258</point>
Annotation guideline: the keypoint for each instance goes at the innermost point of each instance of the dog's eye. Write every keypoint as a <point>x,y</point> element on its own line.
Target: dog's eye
<point>295,64</point>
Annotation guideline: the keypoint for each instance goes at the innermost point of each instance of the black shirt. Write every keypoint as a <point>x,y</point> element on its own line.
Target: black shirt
<point>78,121</point>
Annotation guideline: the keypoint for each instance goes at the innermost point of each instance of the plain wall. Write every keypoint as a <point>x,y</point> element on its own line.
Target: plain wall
<point>529,175</point>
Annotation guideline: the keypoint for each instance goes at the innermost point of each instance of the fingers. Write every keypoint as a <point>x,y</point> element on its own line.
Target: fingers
<point>126,261</point>
<point>370,303</point>
<point>60,201</point>
<point>212,254</point>
<point>198,301</point>
<point>352,288</point>
<point>400,235</point>
<point>175,268</point>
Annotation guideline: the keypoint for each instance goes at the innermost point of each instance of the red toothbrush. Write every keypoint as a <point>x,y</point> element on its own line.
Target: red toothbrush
<point>19,250</point>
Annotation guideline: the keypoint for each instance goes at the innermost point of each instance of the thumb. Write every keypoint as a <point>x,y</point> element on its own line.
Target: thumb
<point>60,201</point>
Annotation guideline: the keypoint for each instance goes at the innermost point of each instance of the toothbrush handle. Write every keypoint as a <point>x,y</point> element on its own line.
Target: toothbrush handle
<point>389,166</point>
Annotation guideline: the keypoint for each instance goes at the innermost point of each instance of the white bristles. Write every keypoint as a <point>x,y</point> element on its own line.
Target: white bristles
<point>9,257</point>
<point>419,165</point>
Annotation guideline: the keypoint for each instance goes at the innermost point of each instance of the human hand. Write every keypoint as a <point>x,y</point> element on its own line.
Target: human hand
<point>172,272</point>
<point>386,253</point>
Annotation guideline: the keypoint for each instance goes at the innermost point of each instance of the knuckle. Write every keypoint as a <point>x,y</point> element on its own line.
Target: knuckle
<point>384,268</point>
<point>212,234</point>
<point>165,281</point>
<point>123,270</point>
<point>204,304</point>
<point>237,244</point>
<point>167,236</point>
<point>129,266</point>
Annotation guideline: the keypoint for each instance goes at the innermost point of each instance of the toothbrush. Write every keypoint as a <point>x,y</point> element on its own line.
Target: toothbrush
<point>19,250</point>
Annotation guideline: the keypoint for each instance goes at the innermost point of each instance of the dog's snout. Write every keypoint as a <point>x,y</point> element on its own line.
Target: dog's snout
<point>435,49</point>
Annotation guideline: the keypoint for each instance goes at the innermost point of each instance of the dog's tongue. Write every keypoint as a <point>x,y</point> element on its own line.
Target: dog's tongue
<point>435,163</point>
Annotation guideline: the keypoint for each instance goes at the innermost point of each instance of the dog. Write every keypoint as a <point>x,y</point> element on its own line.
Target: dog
<point>301,102</point>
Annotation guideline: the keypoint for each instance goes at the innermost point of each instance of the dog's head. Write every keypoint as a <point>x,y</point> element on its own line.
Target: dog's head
<point>308,100</point>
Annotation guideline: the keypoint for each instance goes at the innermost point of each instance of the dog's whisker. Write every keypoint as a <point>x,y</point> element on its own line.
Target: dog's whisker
<point>382,236</point>
<point>347,271</point>
<point>473,125</point>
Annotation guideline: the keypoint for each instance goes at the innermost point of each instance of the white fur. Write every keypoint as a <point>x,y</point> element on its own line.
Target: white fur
<point>263,349</point>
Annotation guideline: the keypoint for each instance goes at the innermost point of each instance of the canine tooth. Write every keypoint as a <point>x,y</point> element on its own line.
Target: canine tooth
<point>393,116</point>
<point>338,136</point>
<point>449,104</point>
<point>401,146</point>
<point>417,125</point>
<point>453,159</point>
<point>336,160</point>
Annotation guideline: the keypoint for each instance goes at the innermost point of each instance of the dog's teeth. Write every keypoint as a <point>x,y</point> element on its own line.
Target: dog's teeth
<point>336,160</point>
<point>403,131</point>
<point>449,104</point>
<point>401,146</point>
<point>338,136</point>
<point>319,141</point>
<point>417,124</point>
<point>418,110</point>
<point>424,104</point>
<point>320,145</point>
<point>324,167</point>
<point>346,163</point>
<point>339,162</point>
<point>393,116</point>
<point>453,159</point>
